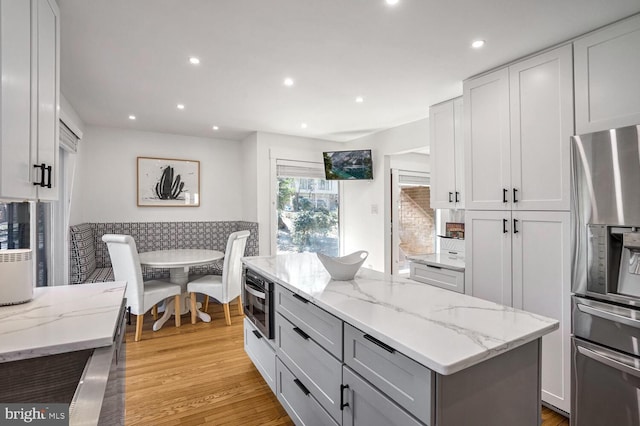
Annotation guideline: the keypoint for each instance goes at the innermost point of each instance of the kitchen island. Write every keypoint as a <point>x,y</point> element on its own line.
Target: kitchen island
<point>66,336</point>
<point>383,350</point>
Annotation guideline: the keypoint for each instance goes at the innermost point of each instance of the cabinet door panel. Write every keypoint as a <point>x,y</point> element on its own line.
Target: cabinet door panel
<point>542,285</point>
<point>487,151</point>
<point>442,153</point>
<point>47,91</point>
<point>541,91</point>
<point>488,255</point>
<point>607,65</point>
<point>15,101</point>
<point>369,407</point>
<point>458,120</point>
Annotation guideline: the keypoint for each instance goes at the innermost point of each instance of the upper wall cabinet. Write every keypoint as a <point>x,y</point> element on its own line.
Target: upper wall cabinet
<point>518,121</point>
<point>607,66</point>
<point>29,98</point>
<point>447,155</point>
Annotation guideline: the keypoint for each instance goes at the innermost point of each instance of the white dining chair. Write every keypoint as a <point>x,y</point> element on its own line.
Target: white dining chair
<point>227,287</point>
<point>141,295</point>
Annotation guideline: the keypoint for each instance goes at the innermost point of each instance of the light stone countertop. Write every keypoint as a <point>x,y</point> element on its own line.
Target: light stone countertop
<point>61,319</point>
<point>444,260</point>
<point>443,330</point>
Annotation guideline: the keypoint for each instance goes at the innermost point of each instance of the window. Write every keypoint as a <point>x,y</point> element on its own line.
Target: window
<point>307,209</point>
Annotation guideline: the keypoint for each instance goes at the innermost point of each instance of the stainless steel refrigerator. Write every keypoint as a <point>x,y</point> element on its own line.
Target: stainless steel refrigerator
<point>605,376</point>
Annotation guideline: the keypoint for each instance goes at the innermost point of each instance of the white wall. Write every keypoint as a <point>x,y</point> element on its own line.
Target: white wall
<point>250,176</point>
<point>365,229</point>
<point>105,184</point>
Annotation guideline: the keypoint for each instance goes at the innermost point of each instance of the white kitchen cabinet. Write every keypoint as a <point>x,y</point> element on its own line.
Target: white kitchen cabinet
<point>541,105</point>
<point>607,65</point>
<point>486,141</point>
<point>522,259</point>
<point>447,154</point>
<point>518,121</point>
<point>541,275</point>
<point>488,255</point>
<point>29,98</point>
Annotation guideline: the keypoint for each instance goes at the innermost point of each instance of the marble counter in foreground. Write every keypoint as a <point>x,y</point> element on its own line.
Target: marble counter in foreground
<point>61,319</point>
<point>445,331</point>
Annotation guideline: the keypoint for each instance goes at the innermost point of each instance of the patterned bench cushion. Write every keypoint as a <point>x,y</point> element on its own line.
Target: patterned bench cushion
<point>83,253</point>
<point>100,275</point>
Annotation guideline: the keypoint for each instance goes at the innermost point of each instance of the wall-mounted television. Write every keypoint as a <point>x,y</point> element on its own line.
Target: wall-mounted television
<point>348,165</point>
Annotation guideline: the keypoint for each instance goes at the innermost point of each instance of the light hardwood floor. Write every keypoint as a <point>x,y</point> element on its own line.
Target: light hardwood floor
<point>200,375</point>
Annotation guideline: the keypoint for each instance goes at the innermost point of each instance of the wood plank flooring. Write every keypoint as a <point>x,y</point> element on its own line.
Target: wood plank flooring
<point>200,375</point>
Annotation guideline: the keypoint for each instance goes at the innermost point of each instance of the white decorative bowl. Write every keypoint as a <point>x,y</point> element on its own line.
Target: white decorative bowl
<point>343,268</point>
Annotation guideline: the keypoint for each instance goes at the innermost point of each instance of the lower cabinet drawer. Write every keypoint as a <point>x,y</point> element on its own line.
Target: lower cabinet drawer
<point>302,407</point>
<point>437,276</point>
<point>405,381</point>
<point>261,353</point>
<point>316,368</point>
<point>367,406</point>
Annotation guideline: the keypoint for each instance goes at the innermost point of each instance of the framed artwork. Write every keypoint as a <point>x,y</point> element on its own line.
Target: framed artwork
<point>168,182</point>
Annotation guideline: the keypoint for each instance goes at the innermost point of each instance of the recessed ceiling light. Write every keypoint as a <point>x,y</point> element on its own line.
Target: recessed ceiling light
<point>477,44</point>
<point>392,2</point>
<point>180,106</point>
<point>215,127</point>
<point>194,61</point>
<point>303,125</point>
<point>288,82</point>
<point>359,99</point>
<point>132,117</point>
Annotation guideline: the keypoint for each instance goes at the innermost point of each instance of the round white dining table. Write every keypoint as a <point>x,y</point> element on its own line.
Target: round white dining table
<point>178,261</point>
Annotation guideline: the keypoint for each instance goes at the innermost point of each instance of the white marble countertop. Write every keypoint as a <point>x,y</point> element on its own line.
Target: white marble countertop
<point>443,330</point>
<point>444,260</point>
<point>61,319</point>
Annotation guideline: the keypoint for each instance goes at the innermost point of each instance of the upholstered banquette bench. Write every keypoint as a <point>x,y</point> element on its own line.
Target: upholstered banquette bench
<point>89,256</point>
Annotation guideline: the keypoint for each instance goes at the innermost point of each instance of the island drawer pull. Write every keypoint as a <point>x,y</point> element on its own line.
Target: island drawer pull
<point>342,403</point>
<point>300,298</point>
<point>257,334</point>
<point>379,343</point>
<point>302,387</point>
<point>434,267</point>
<point>302,334</point>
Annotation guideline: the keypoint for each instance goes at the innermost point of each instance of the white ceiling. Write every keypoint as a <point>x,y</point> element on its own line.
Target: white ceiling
<point>122,57</point>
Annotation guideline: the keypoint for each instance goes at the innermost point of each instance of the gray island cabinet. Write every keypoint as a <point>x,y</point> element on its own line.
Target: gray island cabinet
<point>379,350</point>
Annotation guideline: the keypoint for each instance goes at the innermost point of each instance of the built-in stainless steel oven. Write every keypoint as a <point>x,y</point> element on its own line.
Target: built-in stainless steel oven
<point>258,301</point>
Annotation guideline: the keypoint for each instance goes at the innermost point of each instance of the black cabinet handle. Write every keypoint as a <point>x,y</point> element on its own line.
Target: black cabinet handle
<point>342,403</point>
<point>257,334</point>
<point>515,198</point>
<point>379,343</point>
<point>504,195</point>
<point>41,167</point>
<point>434,267</point>
<point>302,387</point>
<point>450,195</point>
<point>300,298</point>
<point>515,226</point>
<point>301,333</point>
<point>49,169</point>
<point>504,226</point>
<point>457,197</point>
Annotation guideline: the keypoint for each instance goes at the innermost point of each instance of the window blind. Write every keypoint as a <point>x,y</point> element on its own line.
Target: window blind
<point>304,169</point>
<point>68,139</point>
